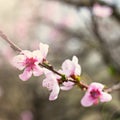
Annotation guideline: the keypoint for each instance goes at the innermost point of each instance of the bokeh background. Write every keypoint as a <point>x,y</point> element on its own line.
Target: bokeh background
<point>89,29</point>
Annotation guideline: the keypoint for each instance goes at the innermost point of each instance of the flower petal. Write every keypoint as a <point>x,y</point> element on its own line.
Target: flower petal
<point>77,66</point>
<point>25,75</point>
<point>68,67</point>
<point>96,85</point>
<point>43,49</point>
<point>18,62</point>
<point>54,93</point>
<point>27,53</point>
<point>75,59</point>
<point>37,71</point>
<point>37,54</point>
<point>105,97</point>
<point>67,85</point>
<point>86,101</point>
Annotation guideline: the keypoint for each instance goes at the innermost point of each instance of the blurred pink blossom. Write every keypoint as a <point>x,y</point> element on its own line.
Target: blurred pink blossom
<point>94,94</point>
<point>102,11</point>
<point>22,28</point>
<point>51,8</point>
<point>52,84</point>
<point>26,115</point>
<point>68,21</point>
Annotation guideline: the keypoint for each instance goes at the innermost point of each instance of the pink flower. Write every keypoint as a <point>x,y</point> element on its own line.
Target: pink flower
<point>29,61</point>
<point>71,68</point>
<point>102,11</point>
<point>94,94</point>
<point>51,83</point>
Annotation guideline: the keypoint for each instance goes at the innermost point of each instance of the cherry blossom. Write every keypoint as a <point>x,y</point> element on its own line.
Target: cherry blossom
<point>67,85</point>
<point>95,94</point>
<point>102,11</point>
<point>71,68</point>
<point>52,84</point>
<point>29,62</point>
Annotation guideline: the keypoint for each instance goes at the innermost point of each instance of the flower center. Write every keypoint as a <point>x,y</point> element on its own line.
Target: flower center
<point>30,62</point>
<point>95,93</point>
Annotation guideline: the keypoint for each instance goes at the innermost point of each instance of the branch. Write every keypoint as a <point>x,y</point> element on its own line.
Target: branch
<point>113,88</point>
<point>16,48</point>
<point>12,45</point>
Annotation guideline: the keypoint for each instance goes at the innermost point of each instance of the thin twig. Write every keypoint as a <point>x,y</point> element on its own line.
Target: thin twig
<point>113,88</point>
<point>51,69</point>
<point>12,45</point>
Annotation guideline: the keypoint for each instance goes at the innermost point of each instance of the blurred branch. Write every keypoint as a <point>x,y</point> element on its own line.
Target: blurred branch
<point>113,88</point>
<point>103,46</point>
<point>12,45</point>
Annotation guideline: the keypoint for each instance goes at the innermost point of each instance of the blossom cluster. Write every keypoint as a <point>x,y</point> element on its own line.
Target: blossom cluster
<point>35,63</point>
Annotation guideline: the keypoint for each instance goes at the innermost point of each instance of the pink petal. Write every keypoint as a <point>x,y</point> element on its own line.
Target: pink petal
<point>67,85</point>
<point>18,62</point>
<point>68,67</point>
<point>46,71</point>
<point>49,82</point>
<point>86,101</point>
<point>27,53</point>
<point>96,85</point>
<point>25,75</point>
<point>77,66</point>
<point>37,71</point>
<point>37,54</point>
<point>44,49</point>
<point>105,97</point>
<point>77,70</point>
<point>54,93</point>
<point>75,59</point>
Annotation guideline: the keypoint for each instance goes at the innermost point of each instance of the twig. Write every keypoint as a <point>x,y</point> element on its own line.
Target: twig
<point>12,45</point>
<point>113,88</point>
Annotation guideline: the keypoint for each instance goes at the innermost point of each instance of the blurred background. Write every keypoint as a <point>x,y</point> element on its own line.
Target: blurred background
<point>89,29</point>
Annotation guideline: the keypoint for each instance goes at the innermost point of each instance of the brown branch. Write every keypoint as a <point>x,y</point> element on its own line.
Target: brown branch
<point>12,45</point>
<point>80,84</point>
<point>113,88</point>
<point>51,69</point>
